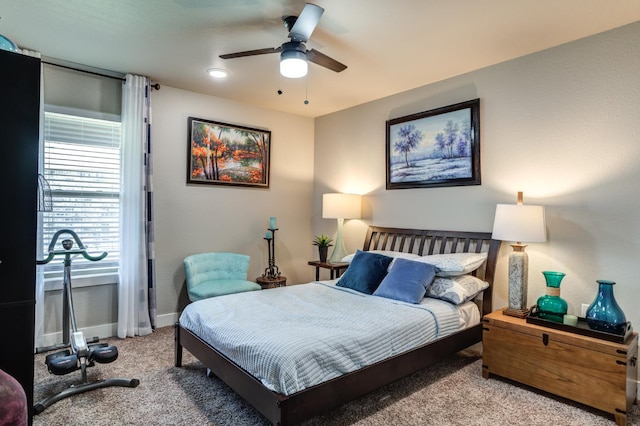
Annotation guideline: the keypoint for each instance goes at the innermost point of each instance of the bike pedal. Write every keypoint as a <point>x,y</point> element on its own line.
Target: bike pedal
<point>60,354</point>
<point>104,355</point>
<point>63,365</point>
<point>93,347</point>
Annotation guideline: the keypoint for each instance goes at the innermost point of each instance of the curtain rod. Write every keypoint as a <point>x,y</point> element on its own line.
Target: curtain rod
<point>81,70</point>
<point>155,86</point>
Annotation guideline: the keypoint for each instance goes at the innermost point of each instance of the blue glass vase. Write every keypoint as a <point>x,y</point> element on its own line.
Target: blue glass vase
<point>604,313</point>
<point>551,306</point>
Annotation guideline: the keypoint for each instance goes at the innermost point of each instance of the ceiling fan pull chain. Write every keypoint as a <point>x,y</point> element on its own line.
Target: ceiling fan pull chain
<point>306,89</point>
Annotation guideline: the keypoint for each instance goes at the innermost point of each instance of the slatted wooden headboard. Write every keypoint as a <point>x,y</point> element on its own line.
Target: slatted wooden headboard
<point>424,242</point>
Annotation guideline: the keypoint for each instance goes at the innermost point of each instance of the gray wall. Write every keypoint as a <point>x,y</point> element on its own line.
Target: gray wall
<point>561,125</point>
<point>74,89</point>
<point>199,218</point>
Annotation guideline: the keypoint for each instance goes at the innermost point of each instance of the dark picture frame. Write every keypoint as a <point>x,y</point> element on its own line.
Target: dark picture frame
<point>435,148</point>
<point>227,154</point>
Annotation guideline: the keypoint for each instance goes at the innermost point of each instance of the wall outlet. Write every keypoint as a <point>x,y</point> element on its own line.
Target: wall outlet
<point>583,310</point>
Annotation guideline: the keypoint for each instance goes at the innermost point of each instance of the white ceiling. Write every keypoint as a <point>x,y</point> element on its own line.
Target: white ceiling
<point>388,46</point>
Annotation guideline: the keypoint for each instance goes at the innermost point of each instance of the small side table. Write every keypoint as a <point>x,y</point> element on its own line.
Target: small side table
<point>266,282</point>
<point>335,269</point>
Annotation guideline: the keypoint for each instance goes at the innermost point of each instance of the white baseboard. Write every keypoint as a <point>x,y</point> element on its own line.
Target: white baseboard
<point>167,319</point>
<point>104,331</point>
<point>101,331</point>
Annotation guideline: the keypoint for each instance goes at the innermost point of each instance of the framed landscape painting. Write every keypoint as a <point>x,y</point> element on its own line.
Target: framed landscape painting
<point>440,147</point>
<point>226,154</point>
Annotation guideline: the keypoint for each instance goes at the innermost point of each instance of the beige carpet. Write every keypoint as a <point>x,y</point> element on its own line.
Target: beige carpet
<point>451,393</point>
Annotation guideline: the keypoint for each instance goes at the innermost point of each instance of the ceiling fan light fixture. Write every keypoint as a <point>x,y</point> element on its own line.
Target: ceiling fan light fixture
<point>218,73</point>
<point>293,64</point>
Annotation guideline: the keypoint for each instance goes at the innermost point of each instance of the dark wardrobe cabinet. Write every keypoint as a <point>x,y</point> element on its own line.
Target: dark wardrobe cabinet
<point>20,115</point>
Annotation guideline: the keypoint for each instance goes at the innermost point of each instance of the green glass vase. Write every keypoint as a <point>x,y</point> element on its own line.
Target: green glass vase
<point>551,306</point>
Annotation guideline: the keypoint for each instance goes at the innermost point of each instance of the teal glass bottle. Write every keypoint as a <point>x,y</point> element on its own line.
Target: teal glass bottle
<point>604,313</point>
<point>551,306</point>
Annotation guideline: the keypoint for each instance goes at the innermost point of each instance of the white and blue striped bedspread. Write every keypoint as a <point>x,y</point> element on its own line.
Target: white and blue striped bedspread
<point>295,337</point>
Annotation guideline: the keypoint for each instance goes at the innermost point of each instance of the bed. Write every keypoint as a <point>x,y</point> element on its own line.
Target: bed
<point>294,400</point>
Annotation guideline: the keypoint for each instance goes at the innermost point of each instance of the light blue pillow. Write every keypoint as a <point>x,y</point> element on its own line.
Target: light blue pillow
<point>365,272</point>
<point>407,281</point>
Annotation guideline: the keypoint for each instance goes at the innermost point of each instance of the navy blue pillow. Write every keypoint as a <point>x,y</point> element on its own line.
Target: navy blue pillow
<point>365,272</point>
<point>407,281</point>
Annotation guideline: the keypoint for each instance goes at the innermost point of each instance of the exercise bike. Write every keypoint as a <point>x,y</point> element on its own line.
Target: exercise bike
<point>78,353</point>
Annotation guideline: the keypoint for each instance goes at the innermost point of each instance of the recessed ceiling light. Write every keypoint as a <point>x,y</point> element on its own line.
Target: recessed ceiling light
<point>217,73</point>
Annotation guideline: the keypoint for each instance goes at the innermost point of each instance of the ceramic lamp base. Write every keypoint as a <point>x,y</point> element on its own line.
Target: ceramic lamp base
<point>339,251</point>
<point>518,278</point>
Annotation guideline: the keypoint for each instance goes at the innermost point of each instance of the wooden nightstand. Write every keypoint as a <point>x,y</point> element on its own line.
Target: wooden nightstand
<point>588,370</point>
<point>335,269</point>
<point>266,282</point>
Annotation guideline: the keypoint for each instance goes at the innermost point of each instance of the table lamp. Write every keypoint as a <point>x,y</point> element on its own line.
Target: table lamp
<point>519,223</point>
<point>340,206</point>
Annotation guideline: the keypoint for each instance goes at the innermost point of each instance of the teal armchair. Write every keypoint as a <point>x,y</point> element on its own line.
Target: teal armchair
<point>217,274</point>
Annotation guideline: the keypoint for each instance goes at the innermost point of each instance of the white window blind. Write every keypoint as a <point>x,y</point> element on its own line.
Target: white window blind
<point>82,166</point>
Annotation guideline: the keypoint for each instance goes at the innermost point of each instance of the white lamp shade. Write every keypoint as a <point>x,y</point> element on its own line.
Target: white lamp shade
<point>521,223</point>
<point>341,206</point>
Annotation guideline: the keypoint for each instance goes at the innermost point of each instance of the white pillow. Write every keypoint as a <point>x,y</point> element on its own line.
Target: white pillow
<point>456,290</point>
<point>394,254</point>
<point>454,264</point>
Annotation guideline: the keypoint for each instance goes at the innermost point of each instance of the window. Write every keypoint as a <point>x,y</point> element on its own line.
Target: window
<point>81,162</point>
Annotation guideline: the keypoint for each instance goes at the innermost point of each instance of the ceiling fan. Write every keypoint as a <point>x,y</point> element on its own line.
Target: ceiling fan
<point>294,54</point>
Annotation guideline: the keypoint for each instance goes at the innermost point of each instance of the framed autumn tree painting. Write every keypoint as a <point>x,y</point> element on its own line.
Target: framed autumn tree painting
<point>225,154</point>
<point>440,147</point>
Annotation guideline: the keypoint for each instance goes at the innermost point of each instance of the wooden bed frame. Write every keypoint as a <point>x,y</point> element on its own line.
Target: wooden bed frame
<point>290,409</point>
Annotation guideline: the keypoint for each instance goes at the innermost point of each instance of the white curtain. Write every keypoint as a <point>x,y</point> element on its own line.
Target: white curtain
<point>133,301</point>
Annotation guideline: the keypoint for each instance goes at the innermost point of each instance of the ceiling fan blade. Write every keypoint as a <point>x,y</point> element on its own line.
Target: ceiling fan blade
<point>325,61</point>
<point>306,22</point>
<point>251,52</point>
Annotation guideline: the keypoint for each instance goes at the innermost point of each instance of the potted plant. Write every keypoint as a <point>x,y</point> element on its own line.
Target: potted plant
<point>323,242</point>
